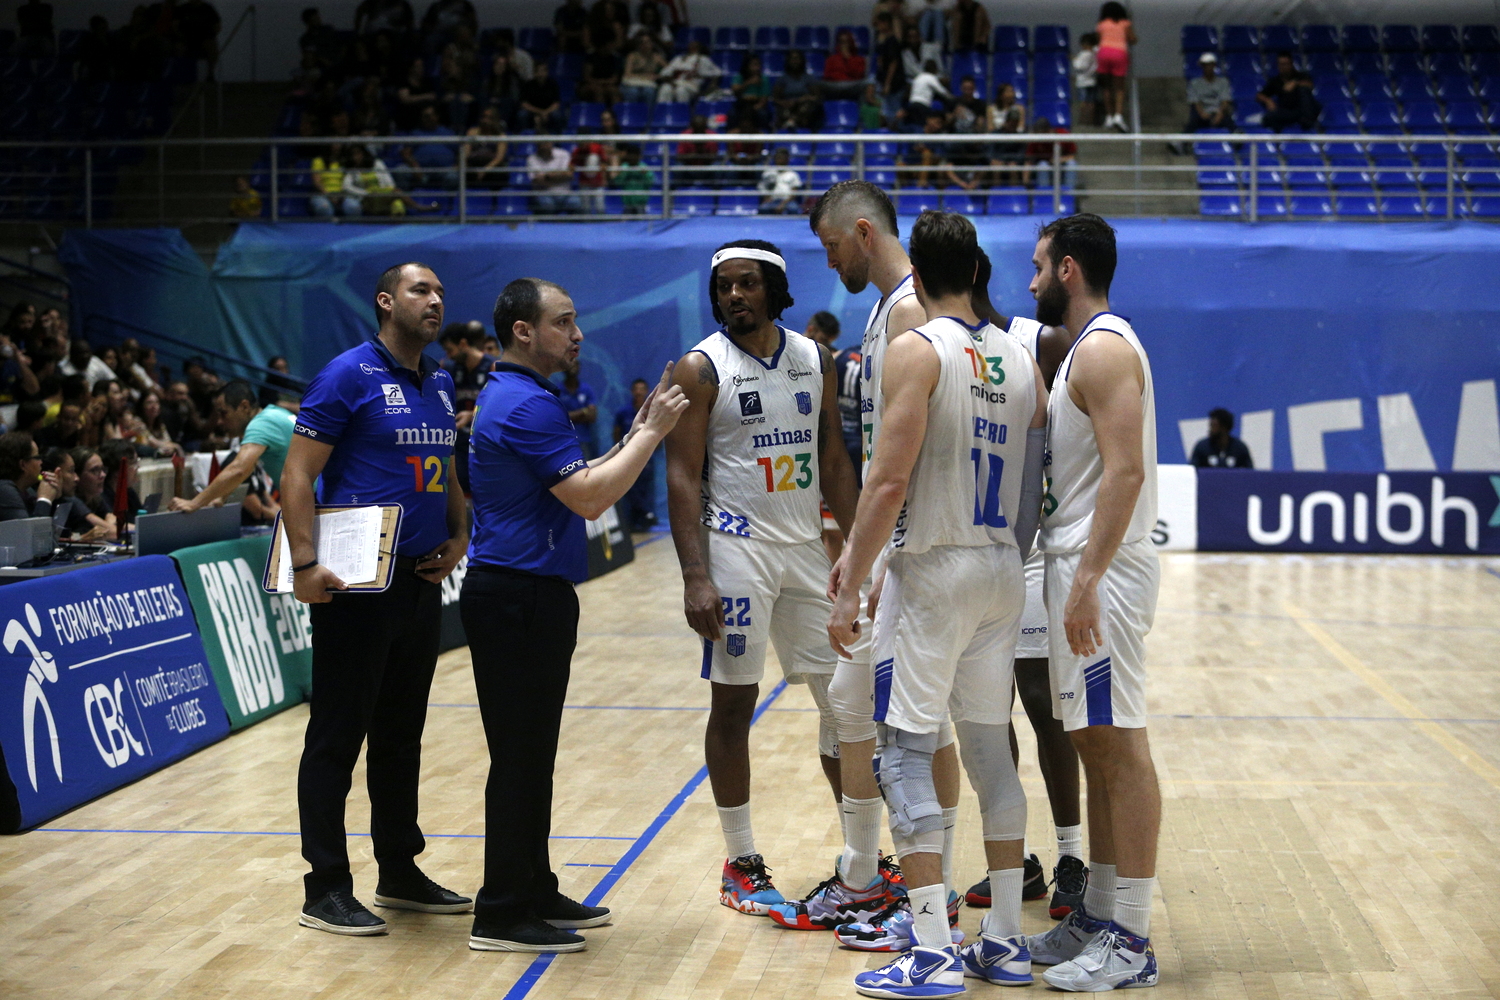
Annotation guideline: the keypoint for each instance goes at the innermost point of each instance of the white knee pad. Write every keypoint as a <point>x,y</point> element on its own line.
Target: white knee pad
<point>852,695</point>
<point>828,733</point>
<point>904,769</point>
<point>992,774</point>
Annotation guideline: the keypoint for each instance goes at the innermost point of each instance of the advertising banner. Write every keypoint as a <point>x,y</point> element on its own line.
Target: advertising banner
<point>259,645</point>
<point>1455,513</point>
<point>103,680</point>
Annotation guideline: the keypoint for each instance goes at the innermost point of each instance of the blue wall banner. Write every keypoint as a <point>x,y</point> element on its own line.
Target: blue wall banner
<point>1449,514</point>
<point>103,680</point>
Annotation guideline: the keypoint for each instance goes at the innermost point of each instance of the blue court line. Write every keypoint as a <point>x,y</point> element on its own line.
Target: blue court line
<point>287,833</point>
<point>1335,621</point>
<point>539,965</point>
<point>583,864</point>
<point>1492,571</point>
<point>1314,718</point>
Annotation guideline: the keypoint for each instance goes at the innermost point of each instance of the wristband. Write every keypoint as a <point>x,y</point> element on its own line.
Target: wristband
<point>304,566</point>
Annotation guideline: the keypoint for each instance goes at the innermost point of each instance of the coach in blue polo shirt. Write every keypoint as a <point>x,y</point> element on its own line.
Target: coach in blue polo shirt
<point>532,488</point>
<point>376,427</point>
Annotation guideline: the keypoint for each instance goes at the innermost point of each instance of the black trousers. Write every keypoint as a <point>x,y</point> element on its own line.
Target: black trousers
<point>522,629</point>
<point>373,658</point>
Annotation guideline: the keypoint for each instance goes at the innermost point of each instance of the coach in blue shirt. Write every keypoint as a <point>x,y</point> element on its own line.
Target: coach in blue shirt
<point>532,488</point>
<point>376,427</point>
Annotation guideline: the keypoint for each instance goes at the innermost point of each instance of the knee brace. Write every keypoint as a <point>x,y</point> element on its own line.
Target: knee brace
<point>852,697</point>
<point>904,768</point>
<point>992,774</point>
<point>828,735</point>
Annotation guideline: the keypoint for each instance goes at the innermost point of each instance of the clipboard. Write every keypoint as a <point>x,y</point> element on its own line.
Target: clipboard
<point>390,532</point>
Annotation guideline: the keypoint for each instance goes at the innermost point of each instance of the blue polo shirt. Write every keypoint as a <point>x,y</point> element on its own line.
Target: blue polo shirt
<point>522,444</point>
<point>392,433</point>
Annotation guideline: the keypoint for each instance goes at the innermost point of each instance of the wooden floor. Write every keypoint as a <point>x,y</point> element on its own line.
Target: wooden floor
<point>1327,731</point>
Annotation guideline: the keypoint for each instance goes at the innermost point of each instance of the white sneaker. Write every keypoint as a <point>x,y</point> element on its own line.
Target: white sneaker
<point>918,973</point>
<point>1114,960</point>
<point>1066,939</point>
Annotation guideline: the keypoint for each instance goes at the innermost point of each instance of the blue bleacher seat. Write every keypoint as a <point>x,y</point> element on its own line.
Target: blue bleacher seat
<point>1467,118</point>
<point>1330,89</point>
<point>815,62</point>
<point>1439,38</point>
<point>824,179</point>
<point>1405,64</point>
<point>1042,204</point>
<point>584,116</point>
<point>881,177</point>
<point>1200,38</point>
<point>1056,112</point>
<point>567,65</point>
<point>1358,63</point>
<point>840,113</point>
<point>963,204</point>
<point>1381,117</point>
<point>729,60</point>
<point>737,204</point>
<point>1244,88</point>
<point>773,63</point>
<point>1051,89</point>
<point>1306,174</point>
<point>1447,64</point>
<point>1481,38</point>
<point>1357,205</point>
<point>1237,63</point>
<point>1008,201</point>
<point>1399,38</point>
<point>693,201</point>
<point>1218,174</point>
<point>634,116</point>
<point>1402,206</point>
<point>1410,87</point>
<point>1241,38</point>
<point>1275,38</point>
<point>861,33</point>
<point>1370,87</point>
<point>812,38</point>
<point>1215,149</point>
<point>1317,63</point>
<point>1481,207</point>
<point>1348,172</point>
<point>1050,38</point>
<point>1010,38</point>
<point>1010,64</point>
<point>967,64</point>
<point>537,41</point>
<point>1050,64</point>
<point>727,37</point>
<point>918,202</point>
<point>1320,38</point>
<point>1360,38</point>
<point>1425,117</point>
<point>1485,66</point>
<point>1311,205</point>
<point>778,37</point>
<point>670,117</point>
<point>1481,177</point>
<point>1271,206</point>
<point>1219,205</point>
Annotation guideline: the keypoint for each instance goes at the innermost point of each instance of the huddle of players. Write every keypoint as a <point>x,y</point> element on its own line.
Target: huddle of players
<point>910,638</point>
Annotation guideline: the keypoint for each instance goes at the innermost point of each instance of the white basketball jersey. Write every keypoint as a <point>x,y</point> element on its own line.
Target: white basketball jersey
<point>760,476</point>
<point>873,351</point>
<point>966,485</point>
<point>1074,467</point>
<point>1027,331</point>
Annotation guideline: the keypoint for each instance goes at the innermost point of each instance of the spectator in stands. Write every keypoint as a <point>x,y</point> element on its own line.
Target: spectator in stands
<point>21,323</point>
<point>17,380</point>
<point>640,499</point>
<point>969,27</point>
<point>149,427</point>
<point>107,412</point>
<point>35,39</point>
<point>745,157</point>
<point>486,160</point>
<point>932,28</point>
<point>541,102</point>
<point>895,10</point>
<point>203,384</point>
<point>1116,35</point>
<point>520,59</point>
<point>321,39</point>
<point>890,70</point>
<point>81,361</point>
<point>429,164</point>
<point>871,110</point>
<point>795,95</point>
<point>649,23</point>
<point>96,53</point>
<point>1085,76</point>
<point>698,156</point>
<point>591,163</point>
<point>1221,450</point>
<point>492,345</point>
<point>185,424</point>
<point>1288,97</point>
<point>414,96</point>
<point>844,70</point>
<point>606,24</point>
<point>550,169</point>
<point>121,463</point>
<point>198,25</point>
<point>752,91</point>
<point>635,178</point>
<point>1039,155</point>
<point>371,182</point>
<point>25,490</point>
<point>244,203</point>
<point>264,434</point>
<point>570,26</point>
<point>373,17</point>
<point>443,19</point>
<point>131,371</point>
<point>89,490</point>
<point>780,185</point>
<point>581,402</point>
<point>1210,101</point>
<point>30,416</point>
<point>455,90</point>
<point>502,92</point>
<point>911,52</point>
<point>328,179</point>
<point>601,75</point>
<point>642,66</point>
<point>970,112</point>
<point>281,388</point>
<point>925,156</point>
<point>684,77</point>
<point>70,515</point>
<point>64,431</point>
<point>926,92</point>
<point>468,364</point>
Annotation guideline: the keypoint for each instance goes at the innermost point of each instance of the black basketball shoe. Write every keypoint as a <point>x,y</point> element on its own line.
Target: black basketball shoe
<point>1069,879</point>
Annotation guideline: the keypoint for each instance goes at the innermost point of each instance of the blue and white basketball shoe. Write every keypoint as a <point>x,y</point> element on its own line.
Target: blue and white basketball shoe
<point>1066,940</point>
<point>920,972</point>
<point>1003,961</point>
<point>1114,960</point>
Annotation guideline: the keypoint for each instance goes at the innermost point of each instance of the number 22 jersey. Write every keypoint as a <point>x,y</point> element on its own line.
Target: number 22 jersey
<point>760,473</point>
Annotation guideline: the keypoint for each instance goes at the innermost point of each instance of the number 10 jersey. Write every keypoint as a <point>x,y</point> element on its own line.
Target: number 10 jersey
<point>760,474</point>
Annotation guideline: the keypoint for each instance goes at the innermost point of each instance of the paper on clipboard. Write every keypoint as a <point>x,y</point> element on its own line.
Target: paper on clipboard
<point>347,542</point>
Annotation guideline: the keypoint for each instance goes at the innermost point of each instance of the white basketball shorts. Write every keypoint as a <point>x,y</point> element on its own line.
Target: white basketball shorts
<point>945,636</point>
<point>1107,688</point>
<point>1033,642</point>
<point>770,593</point>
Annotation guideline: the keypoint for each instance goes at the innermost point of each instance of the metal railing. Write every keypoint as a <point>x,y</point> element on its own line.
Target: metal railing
<point>956,170</point>
<point>98,328</point>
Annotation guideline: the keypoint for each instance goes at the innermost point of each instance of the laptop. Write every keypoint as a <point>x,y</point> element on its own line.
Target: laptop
<point>164,533</point>
<point>26,540</point>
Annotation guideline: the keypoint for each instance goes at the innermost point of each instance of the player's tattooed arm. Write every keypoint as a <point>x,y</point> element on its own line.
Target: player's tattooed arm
<point>706,373</point>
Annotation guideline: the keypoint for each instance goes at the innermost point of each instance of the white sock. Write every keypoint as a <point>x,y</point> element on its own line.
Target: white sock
<point>950,823</point>
<point>1133,905</point>
<point>1099,897</point>
<point>929,911</point>
<point>861,840</point>
<point>1004,918</point>
<point>739,839</point>
<point>1070,842</point>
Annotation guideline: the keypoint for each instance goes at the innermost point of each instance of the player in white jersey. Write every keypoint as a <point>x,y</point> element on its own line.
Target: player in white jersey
<point>1101,586</point>
<point>746,467</point>
<point>954,489</point>
<point>1057,759</point>
<point>856,223</point>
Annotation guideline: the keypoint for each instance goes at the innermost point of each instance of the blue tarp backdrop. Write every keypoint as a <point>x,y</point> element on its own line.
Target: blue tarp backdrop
<point>1346,347</point>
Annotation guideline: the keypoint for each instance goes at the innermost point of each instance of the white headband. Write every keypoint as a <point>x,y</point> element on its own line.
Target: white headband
<point>747,253</point>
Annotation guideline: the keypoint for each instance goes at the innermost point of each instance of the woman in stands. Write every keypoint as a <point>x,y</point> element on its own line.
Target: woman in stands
<point>71,515</point>
<point>642,66</point>
<point>120,466</point>
<point>149,427</point>
<point>24,490</point>
<point>752,91</point>
<point>502,92</point>
<point>486,159</point>
<point>648,21</point>
<point>1115,38</point>
<point>90,490</point>
<point>416,93</point>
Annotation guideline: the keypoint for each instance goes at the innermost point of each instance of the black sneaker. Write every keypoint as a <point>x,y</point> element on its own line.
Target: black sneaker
<point>1069,878</point>
<point>979,893</point>
<point>418,892</point>
<point>570,914</point>
<point>1034,884</point>
<point>340,913</point>
<point>531,935</point>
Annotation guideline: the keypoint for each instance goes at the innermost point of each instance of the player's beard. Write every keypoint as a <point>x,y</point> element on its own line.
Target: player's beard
<point>1052,304</point>
<point>856,277</point>
<point>743,324</point>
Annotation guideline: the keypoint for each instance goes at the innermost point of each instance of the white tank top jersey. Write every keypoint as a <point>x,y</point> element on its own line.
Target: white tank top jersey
<point>760,475</point>
<point>966,485</point>
<point>1027,331</point>
<point>1073,464</point>
<point>873,351</point>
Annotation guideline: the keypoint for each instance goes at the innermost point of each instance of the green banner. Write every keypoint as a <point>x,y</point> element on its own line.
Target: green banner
<point>259,645</point>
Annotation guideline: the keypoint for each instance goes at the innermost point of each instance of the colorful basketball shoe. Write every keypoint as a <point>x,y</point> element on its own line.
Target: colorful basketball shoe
<point>747,886</point>
<point>1003,961</point>
<point>1065,941</point>
<point>890,929</point>
<point>921,972</point>
<point>1115,960</point>
<point>832,903</point>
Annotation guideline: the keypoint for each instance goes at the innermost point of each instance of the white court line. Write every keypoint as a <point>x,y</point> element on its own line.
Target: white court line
<point>132,649</point>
